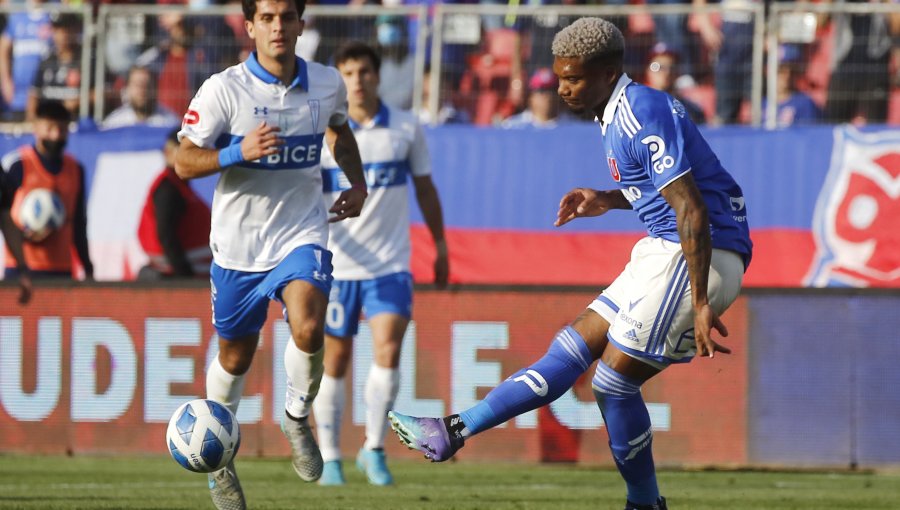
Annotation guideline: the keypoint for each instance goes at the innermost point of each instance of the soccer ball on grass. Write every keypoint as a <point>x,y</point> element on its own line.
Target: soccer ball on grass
<point>203,436</point>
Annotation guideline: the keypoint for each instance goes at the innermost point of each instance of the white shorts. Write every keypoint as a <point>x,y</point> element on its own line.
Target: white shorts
<point>649,305</point>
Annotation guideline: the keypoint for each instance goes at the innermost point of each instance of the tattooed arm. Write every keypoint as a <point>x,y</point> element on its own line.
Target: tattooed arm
<point>693,229</point>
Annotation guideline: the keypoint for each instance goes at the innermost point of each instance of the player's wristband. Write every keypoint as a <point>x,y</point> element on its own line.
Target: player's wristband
<point>230,155</point>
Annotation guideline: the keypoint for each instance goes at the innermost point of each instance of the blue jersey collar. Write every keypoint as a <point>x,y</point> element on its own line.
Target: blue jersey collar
<point>381,119</point>
<point>300,80</point>
<point>609,112</point>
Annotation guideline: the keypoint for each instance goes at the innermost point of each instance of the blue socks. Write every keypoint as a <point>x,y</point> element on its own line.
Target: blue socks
<point>538,385</point>
<point>630,438</point>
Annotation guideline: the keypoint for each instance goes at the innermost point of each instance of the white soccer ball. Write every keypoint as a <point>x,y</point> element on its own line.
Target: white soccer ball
<point>41,212</point>
<point>203,436</point>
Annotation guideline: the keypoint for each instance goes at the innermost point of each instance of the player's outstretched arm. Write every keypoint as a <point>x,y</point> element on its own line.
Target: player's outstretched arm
<point>14,239</point>
<point>343,146</point>
<point>192,161</point>
<point>586,202</point>
<point>693,229</point>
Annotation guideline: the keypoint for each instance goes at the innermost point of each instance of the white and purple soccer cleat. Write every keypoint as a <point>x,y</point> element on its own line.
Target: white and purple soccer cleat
<point>428,435</point>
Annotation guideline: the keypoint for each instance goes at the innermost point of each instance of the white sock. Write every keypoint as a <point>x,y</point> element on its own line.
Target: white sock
<point>381,392</point>
<point>224,387</point>
<point>329,408</point>
<point>304,373</point>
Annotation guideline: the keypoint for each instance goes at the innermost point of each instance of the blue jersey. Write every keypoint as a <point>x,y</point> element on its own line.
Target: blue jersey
<point>30,34</point>
<point>650,142</point>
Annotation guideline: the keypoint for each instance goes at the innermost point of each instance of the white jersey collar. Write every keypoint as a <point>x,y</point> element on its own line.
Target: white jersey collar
<point>609,112</point>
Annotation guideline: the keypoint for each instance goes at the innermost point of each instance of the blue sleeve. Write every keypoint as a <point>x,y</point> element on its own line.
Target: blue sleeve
<point>658,145</point>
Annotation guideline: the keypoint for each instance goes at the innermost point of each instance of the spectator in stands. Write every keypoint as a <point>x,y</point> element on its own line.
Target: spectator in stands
<point>672,30</point>
<point>59,73</point>
<point>180,65</point>
<point>44,165</point>
<point>794,107</point>
<point>139,104</point>
<point>397,63</point>
<point>733,43</point>
<point>543,103</point>
<point>23,44</point>
<point>859,87</point>
<point>448,112</point>
<point>660,73</point>
<point>174,227</point>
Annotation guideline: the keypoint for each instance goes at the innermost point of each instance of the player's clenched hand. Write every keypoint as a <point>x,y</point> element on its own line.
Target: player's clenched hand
<point>705,320</point>
<point>348,205</point>
<point>262,141</point>
<point>578,203</point>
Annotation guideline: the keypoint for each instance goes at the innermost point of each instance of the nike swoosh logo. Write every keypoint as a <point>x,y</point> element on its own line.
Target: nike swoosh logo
<point>632,304</point>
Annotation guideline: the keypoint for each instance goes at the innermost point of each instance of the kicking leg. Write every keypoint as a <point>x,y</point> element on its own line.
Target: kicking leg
<point>571,353</point>
<point>225,383</point>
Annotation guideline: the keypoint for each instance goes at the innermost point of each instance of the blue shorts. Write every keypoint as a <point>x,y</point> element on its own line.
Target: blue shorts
<point>390,293</point>
<point>240,299</point>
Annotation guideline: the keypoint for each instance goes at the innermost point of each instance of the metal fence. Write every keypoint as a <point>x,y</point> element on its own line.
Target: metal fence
<point>720,59</point>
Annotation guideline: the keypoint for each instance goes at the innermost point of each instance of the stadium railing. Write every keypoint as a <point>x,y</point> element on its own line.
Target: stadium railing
<point>483,54</point>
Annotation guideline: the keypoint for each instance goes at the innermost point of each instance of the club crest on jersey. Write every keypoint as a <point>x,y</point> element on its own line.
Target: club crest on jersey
<point>855,219</point>
<point>190,118</point>
<point>314,114</point>
<point>613,168</point>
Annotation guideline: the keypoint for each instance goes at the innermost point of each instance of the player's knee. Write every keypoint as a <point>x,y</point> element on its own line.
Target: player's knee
<point>608,384</point>
<point>235,361</point>
<point>337,358</point>
<point>308,332</point>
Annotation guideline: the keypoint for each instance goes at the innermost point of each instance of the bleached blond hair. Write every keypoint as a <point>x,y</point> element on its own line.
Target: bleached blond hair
<point>589,38</point>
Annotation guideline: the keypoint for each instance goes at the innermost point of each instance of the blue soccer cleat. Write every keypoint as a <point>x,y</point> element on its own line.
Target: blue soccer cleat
<point>428,435</point>
<point>332,474</point>
<point>659,505</point>
<point>374,465</point>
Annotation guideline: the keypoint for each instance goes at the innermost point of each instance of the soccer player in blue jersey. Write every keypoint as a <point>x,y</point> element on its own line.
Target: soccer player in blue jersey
<point>260,125</point>
<point>664,306</point>
<point>371,261</point>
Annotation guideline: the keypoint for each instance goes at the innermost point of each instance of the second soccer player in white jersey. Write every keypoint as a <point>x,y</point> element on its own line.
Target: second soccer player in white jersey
<point>371,261</point>
<point>260,124</point>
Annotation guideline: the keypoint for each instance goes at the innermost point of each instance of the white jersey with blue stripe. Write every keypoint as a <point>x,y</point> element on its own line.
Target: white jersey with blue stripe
<point>649,142</point>
<point>264,209</point>
<point>393,150</point>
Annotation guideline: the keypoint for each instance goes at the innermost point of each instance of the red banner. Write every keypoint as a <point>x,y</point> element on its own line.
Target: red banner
<point>97,369</point>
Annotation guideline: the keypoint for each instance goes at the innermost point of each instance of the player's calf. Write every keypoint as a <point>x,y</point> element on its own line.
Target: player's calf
<point>630,435</point>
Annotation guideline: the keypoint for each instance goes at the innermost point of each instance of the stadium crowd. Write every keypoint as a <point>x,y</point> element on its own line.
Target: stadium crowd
<point>840,68</point>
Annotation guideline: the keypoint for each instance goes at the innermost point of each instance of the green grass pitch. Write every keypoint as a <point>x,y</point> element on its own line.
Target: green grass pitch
<point>44,482</point>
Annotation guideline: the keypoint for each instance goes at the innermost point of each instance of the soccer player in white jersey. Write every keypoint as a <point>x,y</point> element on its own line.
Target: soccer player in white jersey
<point>261,124</point>
<point>663,307</point>
<point>371,261</point>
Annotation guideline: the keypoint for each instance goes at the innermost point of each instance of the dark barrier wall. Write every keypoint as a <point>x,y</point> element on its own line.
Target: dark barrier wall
<point>822,201</point>
<point>811,381</point>
<point>824,379</point>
